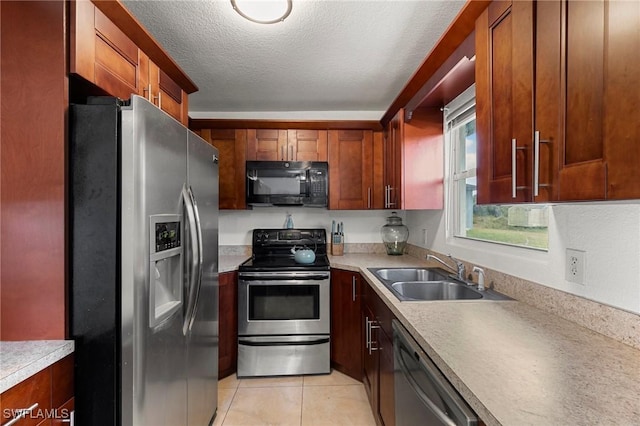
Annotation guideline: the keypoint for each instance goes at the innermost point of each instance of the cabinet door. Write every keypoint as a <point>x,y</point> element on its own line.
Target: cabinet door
<point>346,331</point>
<point>622,100</point>
<point>307,145</point>
<point>570,88</point>
<point>101,53</point>
<point>228,324</point>
<point>266,145</point>
<point>504,102</point>
<point>231,144</point>
<point>370,358</point>
<point>350,169</point>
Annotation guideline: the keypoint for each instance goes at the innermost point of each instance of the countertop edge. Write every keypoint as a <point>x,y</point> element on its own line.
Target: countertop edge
<point>62,349</point>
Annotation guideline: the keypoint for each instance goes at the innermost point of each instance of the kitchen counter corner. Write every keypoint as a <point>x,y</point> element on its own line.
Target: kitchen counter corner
<point>22,359</point>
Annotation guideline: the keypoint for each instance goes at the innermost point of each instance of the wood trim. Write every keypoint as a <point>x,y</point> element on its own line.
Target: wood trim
<point>120,16</point>
<point>215,123</point>
<point>452,78</point>
<point>461,27</point>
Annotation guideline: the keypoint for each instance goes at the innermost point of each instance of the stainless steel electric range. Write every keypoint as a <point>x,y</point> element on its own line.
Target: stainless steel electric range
<point>283,306</point>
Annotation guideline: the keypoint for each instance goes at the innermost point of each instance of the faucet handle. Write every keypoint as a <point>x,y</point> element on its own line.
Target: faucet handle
<point>459,265</point>
<point>480,272</point>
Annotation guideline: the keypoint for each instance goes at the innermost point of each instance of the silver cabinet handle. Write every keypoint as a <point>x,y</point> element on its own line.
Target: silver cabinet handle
<point>22,414</point>
<point>367,331</point>
<point>536,162</point>
<point>371,327</point>
<point>147,90</point>
<point>391,204</point>
<point>514,173</point>
<point>385,196</point>
<point>369,198</point>
<point>513,168</point>
<point>291,158</point>
<point>353,288</point>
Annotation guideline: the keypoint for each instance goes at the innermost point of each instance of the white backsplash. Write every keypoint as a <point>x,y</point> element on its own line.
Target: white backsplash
<point>361,226</point>
<point>609,233</point>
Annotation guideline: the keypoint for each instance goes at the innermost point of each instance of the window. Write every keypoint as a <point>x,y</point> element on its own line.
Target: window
<point>520,225</point>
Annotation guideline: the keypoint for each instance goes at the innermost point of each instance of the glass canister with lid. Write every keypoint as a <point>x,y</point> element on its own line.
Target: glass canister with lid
<point>394,235</point>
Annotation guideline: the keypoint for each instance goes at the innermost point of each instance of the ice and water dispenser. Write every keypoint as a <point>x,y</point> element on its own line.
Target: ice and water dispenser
<point>165,268</point>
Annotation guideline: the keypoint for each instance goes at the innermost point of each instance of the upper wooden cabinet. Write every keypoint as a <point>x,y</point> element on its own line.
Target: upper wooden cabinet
<point>550,126</point>
<point>352,175</point>
<point>232,145</point>
<point>504,101</point>
<point>104,55</point>
<point>286,145</point>
<point>414,162</point>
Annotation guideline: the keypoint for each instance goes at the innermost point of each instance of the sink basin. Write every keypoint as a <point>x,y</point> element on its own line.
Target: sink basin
<point>411,274</point>
<point>412,284</point>
<point>435,290</point>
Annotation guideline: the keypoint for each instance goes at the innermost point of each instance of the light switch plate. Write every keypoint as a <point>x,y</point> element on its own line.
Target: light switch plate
<point>575,266</point>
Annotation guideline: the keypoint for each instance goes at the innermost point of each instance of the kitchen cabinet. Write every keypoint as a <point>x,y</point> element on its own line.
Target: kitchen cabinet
<point>232,146</point>
<point>355,171</point>
<point>504,101</point>
<point>378,368</point>
<point>51,389</point>
<point>286,145</point>
<point>104,55</point>
<point>228,324</point>
<point>569,139</point>
<point>413,161</point>
<point>34,104</point>
<point>346,332</point>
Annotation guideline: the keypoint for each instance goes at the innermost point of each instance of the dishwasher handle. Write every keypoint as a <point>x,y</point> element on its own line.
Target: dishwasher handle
<point>442,416</point>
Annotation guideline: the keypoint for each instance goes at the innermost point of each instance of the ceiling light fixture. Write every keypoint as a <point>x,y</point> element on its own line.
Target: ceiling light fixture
<point>263,11</point>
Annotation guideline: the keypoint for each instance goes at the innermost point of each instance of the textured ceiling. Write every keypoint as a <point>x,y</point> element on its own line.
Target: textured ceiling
<point>328,59</point>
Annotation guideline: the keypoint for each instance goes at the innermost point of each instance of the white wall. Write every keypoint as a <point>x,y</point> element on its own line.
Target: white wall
<point>361,226</point>
<point>609,233</point>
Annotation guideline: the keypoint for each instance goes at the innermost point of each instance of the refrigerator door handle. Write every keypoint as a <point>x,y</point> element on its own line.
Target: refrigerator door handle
<point>198,283</point>
<point>193,260</point>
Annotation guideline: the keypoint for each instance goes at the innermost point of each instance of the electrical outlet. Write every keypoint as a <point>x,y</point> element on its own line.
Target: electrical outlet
<point>424,237</point>
<point>575,266</point>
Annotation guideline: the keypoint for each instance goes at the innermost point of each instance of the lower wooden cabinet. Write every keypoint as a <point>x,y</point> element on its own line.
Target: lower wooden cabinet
<point>48,395</point>
<point>378,368</point>
<point>346,332</point>
<point>228,324</point>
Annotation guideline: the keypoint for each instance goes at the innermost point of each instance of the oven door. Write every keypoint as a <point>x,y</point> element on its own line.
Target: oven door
<point>279,303</point>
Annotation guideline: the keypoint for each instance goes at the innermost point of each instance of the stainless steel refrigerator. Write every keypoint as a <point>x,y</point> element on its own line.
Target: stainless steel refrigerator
<point>144,266</point>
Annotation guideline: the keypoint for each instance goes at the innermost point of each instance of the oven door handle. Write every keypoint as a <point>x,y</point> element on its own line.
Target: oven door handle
<point>313,341</point>
<point>280,276</point>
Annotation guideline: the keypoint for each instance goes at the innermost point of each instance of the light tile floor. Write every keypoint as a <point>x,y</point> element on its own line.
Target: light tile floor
<point>333,399</point>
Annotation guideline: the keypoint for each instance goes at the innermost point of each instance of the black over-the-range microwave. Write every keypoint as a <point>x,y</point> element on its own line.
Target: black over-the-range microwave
<point>287,183</point>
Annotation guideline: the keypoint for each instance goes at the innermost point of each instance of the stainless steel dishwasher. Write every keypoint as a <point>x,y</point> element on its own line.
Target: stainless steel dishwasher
<point>423,395</point>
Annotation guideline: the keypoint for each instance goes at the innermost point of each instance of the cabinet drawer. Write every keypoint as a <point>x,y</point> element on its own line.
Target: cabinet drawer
<point>34,390</point>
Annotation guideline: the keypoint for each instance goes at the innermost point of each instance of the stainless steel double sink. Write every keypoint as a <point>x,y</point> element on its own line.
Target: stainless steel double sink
<point>411,284</point>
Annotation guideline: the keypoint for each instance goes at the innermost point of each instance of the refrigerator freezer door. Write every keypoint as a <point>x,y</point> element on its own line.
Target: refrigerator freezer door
<point>202,338</point>
<point>154,170</point>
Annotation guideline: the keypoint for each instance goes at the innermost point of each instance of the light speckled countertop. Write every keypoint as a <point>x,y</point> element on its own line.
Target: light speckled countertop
<point>21,360</point>
<point>228,263</point>
<point>513,363</point>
